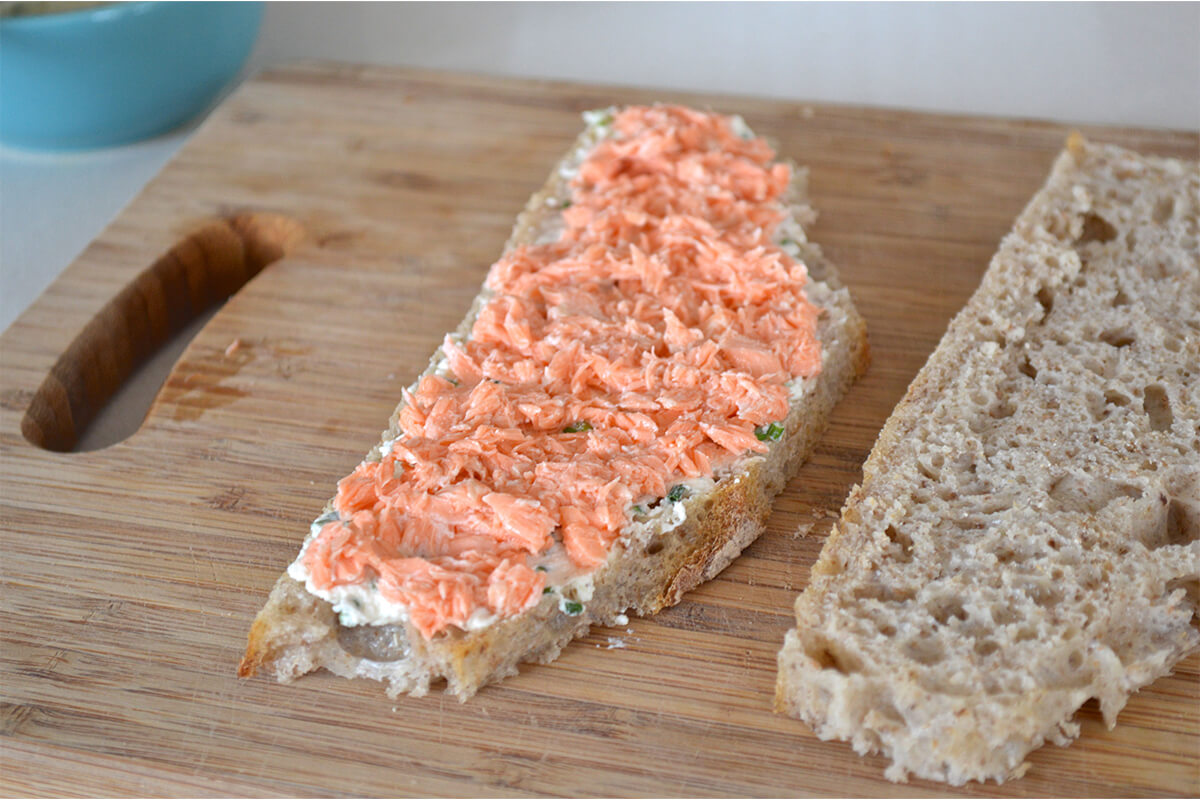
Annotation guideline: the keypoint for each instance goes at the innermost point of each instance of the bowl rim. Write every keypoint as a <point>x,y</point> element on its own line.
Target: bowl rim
<point>109,12</point>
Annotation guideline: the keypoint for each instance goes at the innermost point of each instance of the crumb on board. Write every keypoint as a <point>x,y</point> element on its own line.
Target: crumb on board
<point>233,347</point>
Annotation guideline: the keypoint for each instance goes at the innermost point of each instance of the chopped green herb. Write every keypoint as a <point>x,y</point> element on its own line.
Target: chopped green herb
<point>677,493</point>
<point>638,510</point>
<point>453,381</point>
<point>548,590</point>
<point>565,204</point>
<point>541,568</point>
<point>787,242</point>
<point>572,608</point>
<point>326,518</point>
<point>769,433</point>
<point>578,427</point>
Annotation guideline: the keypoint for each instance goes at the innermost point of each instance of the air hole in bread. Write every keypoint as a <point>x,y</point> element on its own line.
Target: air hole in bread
<point>654,547</point>
<point>1027,369</point>
<point>902,541</point>
<point>1088,494</point>
<point>1044,595</point>
<point>1045,298</point>
<point>993,504</point>
<point>947,494</point>
<point>1026,634</point>
<point>828,655</point>
<point>925,470</point>
<point>1183,523</point>
<point>1003,410</point>
<point>931,465</point>
<point>945,609</point>
<point>985,647</point>
<point>1095,365</point>
<point>1004,615</point>
<point>888,713</point>
<point>1115,398</point>
<point>1172,344</point>
<point>1164,209</point>
<point>1157,405</point>
<point>1075,660</point>
<point>1120,299</point>
<point>1117,337</point>
<point>1130,241</point>
<point>884,592</point>
<point>924,651</point>
<point>1096,229</point>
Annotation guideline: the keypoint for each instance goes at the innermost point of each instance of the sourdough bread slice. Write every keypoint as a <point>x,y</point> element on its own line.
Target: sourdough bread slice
<point>659,556</point>
<point>1026,533</point>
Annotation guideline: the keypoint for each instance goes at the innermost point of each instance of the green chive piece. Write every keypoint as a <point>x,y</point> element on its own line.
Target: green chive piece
<point>565,204</point>
<point>578,427</point>
<point>638,510</point>
<point>572,608</point>
<point>548,590</point>
<point>677,493</point>
<point>769,433</point>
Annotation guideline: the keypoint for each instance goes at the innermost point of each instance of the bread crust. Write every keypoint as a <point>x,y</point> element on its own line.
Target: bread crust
<point>296,632</point>
<point>1025,534</point>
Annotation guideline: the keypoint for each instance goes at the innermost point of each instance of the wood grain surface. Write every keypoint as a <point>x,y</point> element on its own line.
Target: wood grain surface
<point>361,208</point>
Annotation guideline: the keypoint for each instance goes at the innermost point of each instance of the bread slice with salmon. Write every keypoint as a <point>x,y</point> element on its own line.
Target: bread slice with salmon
<point>654,355</point>
<point>1027,531</point>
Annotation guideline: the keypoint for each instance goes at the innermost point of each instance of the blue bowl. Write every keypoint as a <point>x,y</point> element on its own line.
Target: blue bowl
<point>117,73</point>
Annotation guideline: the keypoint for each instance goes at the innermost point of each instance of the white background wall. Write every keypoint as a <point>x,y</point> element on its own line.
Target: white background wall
<point>1122,63</point>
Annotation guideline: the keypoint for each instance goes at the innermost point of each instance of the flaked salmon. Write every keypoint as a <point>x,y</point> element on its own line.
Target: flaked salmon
<point>651,343</point>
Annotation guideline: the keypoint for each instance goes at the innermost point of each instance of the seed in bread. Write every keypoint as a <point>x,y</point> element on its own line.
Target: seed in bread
<point>1026,533</point>
<point>657,350</point>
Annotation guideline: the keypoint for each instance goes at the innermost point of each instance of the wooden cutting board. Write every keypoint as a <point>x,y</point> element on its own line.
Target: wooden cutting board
<point>130,574</point>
